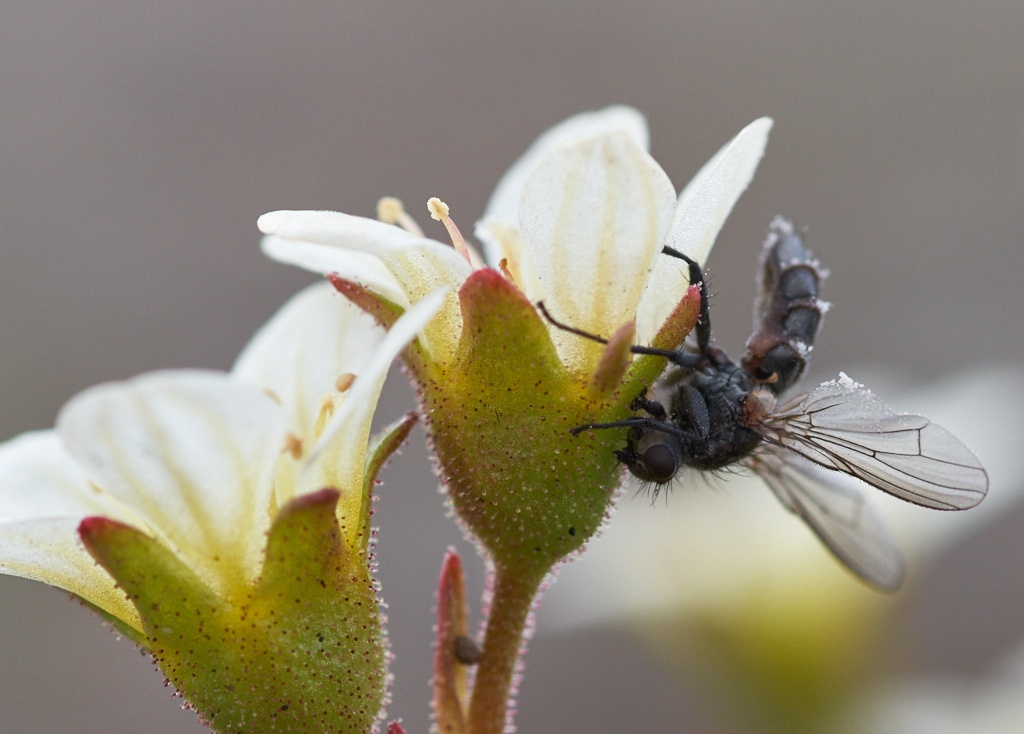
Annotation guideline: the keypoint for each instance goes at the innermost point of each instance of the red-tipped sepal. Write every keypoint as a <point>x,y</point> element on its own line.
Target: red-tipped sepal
<point>298,650</point>
<point>645,369</point>
<point>384,311</point>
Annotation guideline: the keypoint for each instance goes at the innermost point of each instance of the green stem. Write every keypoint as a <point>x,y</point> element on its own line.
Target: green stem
<point>512,598</point>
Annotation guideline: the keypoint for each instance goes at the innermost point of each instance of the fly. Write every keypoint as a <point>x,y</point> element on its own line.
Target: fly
<point>708,412</point>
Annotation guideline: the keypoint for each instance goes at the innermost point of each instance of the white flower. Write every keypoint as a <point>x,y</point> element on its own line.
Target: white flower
<point>579,222</point>
<point>201,461</point>
<point>948,704</point>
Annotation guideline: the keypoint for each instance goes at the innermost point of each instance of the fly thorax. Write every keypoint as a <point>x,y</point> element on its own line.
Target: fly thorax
<point>710,411</point>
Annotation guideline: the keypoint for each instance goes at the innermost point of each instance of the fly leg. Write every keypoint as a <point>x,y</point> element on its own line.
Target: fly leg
<point>697,279</point>
<point>681,359</point>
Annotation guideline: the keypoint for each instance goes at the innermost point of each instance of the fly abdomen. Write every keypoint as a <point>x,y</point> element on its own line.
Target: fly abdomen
<point>787,312</point>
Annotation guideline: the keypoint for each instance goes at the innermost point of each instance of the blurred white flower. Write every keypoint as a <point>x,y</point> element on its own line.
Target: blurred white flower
<point>946,705</point>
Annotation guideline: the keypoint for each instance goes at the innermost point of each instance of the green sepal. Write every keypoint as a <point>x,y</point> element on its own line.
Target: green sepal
<point>382,445</point>
<point>298,650</point>
<point>384,311</point>
<point>500,414</point>
<point>119,626</point>
<point>170,598</point>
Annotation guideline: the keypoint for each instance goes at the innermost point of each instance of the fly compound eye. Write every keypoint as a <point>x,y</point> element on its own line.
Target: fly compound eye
<point>658,463</point>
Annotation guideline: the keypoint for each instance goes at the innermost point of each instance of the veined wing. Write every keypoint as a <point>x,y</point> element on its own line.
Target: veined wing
<point>843,426</point>
<point>839,514</point>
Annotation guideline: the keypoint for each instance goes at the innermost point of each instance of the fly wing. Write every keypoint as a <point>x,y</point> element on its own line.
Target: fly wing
<point>839,514</point>
<point>843,426</point>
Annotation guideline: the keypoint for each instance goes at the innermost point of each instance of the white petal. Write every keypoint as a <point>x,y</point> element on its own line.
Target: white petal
<point>420,265</point>
<point>389,261</point>
<point>336,230</point>
<point>315,338</point>
<point>193,453</point>
<point>48,550</point>
<point>503,207</point>
<point>44,495</point>
<point>339,456</point>
<point>359,267</point>
<point>594,215</point>
<point>38,479</point>
<point>703,207</point>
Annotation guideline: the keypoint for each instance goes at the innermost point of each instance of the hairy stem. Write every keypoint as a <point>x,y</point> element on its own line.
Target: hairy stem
<point>511,601</point>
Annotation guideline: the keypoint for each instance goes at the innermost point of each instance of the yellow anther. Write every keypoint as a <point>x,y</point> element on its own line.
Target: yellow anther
<point>503,267</point>
<point>344,382</point>
<point>292,446</point>
<point>510,245</point>
<point>391,211</point>
<point>437,208</point>
<point>439,211</point>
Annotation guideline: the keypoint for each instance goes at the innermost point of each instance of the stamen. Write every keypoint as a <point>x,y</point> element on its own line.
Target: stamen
<point>439,212</point>
<point>293,446</point>
<point>344,382</point>
<point>391,211</point>
<point>503,267</point>
<point>507,238</point>
<point>324,415</point>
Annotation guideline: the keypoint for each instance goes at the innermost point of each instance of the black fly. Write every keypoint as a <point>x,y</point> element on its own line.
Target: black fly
<point>708,412</point>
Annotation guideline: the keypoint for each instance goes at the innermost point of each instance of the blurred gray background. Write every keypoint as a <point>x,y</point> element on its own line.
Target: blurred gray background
<point>140,141</point>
